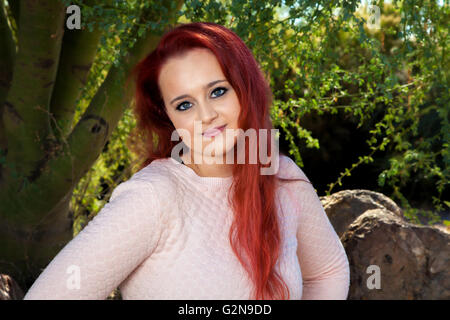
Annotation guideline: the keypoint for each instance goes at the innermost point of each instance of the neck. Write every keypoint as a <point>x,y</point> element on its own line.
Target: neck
<point>204,169</point>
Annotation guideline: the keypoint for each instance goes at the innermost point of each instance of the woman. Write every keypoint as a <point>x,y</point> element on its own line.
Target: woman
<point>214,228</point>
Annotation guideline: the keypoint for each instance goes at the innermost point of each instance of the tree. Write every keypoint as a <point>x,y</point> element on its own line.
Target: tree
<point>43,70</point>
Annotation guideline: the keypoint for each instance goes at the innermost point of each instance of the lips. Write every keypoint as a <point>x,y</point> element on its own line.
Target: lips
<point>214,131</point>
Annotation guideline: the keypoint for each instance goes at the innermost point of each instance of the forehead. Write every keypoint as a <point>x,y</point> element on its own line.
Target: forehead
<point>189,71</point>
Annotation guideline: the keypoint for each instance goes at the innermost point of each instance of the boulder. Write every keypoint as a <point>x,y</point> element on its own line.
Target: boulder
<point>115,295</point>
<point>9,289</point>
<point>345,206</point>
<point>413,260</point>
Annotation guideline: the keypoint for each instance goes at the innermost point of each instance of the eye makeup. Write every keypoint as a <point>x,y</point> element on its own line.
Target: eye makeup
<point>179,106</point>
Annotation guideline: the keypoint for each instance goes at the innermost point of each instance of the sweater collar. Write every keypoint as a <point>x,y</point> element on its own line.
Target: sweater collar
<point>195,178</point>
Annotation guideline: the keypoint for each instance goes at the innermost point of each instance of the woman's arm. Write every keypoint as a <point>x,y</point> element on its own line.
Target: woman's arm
<point>321,255</point>
<point>117,240</point>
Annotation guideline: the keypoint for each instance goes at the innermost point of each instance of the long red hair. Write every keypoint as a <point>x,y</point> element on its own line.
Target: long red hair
<point>254,234</point>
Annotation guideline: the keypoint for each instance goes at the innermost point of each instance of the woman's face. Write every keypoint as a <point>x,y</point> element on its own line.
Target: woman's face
<point>197,96</point>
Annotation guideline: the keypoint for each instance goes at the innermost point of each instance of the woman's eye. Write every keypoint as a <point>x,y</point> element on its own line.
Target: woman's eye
<point>218,92</point>
<point>183,106</point>
<point>221,91</point>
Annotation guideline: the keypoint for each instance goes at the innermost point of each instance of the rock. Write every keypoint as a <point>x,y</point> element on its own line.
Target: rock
<point>9,289</point>
<point>115,295</point>
<point>413,260</point>
<point>345,206</point>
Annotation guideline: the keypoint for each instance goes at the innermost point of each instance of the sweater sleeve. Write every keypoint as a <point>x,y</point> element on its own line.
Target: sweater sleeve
<point>116,241</point>
<point>322,258</point>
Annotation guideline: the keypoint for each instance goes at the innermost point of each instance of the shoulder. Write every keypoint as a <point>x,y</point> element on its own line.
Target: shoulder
<point>147,196</point>
<point>298,188</point>
<point>158,173</point>
<point>288,169</point>
<point>153,181</point>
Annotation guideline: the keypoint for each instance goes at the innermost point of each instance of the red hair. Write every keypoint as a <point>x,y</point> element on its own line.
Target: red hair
<point>254,234</point>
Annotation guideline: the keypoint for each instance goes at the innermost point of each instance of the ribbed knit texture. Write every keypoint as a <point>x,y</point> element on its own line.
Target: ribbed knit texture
<point>164,235</point>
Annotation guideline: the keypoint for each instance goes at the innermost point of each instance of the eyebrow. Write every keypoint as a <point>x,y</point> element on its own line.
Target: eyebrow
<point>209,85</point>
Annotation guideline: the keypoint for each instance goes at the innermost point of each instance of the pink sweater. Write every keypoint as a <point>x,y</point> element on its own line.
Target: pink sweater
<point>164,235</point>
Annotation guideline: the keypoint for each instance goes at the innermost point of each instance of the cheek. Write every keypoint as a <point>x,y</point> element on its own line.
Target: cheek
<point>183,126</point>
<point>186,133</point>
<point>234,111</point>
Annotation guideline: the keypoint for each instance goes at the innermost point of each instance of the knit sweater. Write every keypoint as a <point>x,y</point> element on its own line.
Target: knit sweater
<point>164,234</point>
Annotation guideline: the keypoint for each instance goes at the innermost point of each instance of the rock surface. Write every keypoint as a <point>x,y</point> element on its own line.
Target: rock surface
<point>413,261</point>
<point>9,289</point>
<point>345,206</point>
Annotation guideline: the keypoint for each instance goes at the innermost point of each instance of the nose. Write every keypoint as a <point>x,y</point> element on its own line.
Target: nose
<point>207,113</point>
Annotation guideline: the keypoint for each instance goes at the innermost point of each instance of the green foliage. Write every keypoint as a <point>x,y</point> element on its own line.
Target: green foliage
<point>116,164</point>
<point>119,19</point>
<point>320,58</point>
